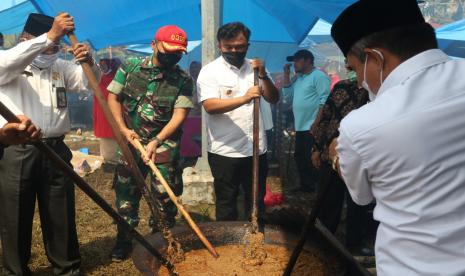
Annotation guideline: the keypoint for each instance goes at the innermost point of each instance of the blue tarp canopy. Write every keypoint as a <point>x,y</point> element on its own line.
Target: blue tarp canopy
<point>123,22</point>
<point>451,38</point>
<point>13,15</point>
<point>274,53</point>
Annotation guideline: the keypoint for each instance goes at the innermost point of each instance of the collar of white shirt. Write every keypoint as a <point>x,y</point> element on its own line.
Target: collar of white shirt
<point>412,66</point>
<point>244,66</point>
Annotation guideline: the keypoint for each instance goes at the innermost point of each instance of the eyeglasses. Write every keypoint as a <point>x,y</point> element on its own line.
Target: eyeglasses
<point>237,48</point>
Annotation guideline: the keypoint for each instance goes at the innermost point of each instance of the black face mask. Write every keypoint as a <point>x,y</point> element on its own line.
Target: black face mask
<point>168,60</point>
<point>234,58</point>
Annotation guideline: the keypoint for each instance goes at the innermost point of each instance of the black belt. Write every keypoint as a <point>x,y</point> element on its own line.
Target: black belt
<point>53,141</point>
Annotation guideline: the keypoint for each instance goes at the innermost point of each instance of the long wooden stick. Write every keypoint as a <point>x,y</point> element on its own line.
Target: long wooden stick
<point>87,189</point>
<point>255,175</point>
<point>173,198</point>
<point>153,203</point>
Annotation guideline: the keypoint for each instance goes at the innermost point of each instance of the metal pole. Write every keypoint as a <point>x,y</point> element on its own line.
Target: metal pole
<point>212,17</point>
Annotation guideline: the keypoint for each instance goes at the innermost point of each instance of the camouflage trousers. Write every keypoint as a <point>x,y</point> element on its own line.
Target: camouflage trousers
<point>128,194</point>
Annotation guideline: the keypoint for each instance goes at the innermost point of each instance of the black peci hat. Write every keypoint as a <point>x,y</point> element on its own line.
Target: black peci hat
<point>306,54</point>
<point>366,17</point>
<point>38,24</point>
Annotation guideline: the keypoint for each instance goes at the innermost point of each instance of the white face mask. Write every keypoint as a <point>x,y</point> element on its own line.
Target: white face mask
<point>44,61</point>
<point>365,85</point>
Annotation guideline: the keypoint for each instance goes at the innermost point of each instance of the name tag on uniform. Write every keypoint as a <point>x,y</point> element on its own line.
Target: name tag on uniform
<point>62,101</point>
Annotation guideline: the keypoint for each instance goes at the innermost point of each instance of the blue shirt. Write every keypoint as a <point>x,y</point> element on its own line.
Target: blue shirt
<point>309,92</point>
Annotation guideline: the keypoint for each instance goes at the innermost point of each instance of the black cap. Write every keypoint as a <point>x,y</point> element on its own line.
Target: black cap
<point>38,24</point>
<point>306,54</point>
<point>366,17</point>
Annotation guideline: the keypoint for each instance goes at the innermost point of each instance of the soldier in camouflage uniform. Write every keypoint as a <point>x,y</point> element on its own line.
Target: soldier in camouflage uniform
<point>150,98</point>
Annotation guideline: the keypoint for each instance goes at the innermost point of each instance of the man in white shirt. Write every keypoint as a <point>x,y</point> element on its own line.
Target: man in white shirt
<point>34,82</point>
<point>406,148</point>
<point>226,90</point>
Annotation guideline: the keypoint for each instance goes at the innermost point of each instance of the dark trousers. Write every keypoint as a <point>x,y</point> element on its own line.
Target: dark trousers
<point>229,175</point>
<point>357,219</point>
<point>303,149</point>
<point>27,175</point>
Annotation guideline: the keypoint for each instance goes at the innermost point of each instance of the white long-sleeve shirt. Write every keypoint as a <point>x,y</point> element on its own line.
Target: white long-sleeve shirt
<point>406,149</point>
<point>27,90</point>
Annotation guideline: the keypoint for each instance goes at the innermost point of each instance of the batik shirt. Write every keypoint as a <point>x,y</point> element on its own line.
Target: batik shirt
<point>345,97</point>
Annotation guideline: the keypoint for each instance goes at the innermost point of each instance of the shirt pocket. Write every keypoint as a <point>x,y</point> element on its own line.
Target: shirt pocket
<point>129,101</point>
<point>134,90</point>
<point>136,84</point>
<point>160,109</point>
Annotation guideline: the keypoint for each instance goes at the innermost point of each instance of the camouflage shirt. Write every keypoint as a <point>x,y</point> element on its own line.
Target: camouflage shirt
<point>149,94</point>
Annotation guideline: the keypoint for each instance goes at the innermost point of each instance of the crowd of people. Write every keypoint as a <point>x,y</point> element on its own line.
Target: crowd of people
<point>389,137</point>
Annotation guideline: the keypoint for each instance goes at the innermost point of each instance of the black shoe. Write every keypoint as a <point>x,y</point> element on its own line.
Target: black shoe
<point>121,251</point>
<point>123,246</point>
